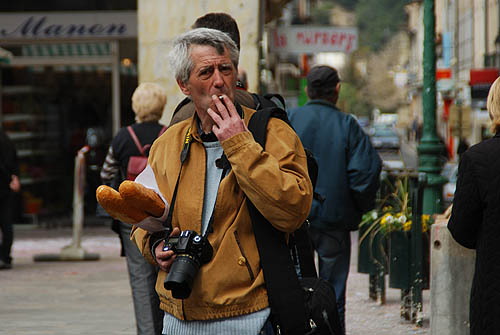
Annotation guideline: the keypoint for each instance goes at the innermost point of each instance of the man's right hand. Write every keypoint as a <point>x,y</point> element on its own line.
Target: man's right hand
<point>227,121</point>
<point>166,258</point>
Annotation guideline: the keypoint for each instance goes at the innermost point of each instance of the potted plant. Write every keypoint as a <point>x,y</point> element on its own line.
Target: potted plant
<point>385,234</point>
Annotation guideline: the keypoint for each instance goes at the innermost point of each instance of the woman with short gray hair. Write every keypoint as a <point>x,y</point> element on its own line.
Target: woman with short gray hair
<point>148,102</point>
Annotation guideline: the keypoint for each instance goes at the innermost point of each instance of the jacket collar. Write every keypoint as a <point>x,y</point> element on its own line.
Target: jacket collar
<point>321,102</point>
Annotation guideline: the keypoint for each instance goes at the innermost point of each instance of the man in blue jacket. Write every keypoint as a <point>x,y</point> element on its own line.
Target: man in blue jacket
<point>348,176</point>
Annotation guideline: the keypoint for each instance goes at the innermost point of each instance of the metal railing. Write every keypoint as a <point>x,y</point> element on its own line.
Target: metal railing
<point>74,251</point>
<point>402,255</point>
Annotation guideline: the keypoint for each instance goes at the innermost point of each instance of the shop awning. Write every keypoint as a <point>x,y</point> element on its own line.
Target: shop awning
<point>72,57</point>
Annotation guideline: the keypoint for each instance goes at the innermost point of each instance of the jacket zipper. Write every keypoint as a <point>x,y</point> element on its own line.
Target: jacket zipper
<point>250,272</point>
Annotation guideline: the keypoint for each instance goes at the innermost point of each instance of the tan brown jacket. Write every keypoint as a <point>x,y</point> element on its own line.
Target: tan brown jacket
<point>277,183</point>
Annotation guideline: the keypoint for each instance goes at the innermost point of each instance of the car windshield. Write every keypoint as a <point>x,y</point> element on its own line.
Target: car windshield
<point>384,132</point>
<point>450,171</point>
<point>454,176</point>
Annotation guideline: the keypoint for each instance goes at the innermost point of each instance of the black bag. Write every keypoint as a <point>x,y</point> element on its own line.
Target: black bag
<point>321,309</point>
<point>298,306</point>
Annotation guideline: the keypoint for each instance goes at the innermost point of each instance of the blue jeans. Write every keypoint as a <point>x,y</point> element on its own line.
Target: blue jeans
<point>142,277</point>
<point>334,253</point>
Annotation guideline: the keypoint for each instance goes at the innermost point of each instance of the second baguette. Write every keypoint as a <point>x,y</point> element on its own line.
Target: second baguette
<point>117,207</point>
<point>142,197</point>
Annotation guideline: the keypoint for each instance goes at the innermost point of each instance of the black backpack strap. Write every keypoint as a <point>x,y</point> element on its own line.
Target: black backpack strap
<point>256,100</point>
<point>301,241</point>
<point>284,291</point>
<point>283,288</point>
<point>259,120</point>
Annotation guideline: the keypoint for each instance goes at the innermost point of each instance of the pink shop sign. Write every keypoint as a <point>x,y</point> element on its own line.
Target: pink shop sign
<point>313,39</point>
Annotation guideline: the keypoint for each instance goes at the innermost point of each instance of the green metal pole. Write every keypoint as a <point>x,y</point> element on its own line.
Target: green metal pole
<point>302,91</point>
<point>430,147</point>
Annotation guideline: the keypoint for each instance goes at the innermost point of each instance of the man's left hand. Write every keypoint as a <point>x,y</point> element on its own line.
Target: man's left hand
<point>227,122</point>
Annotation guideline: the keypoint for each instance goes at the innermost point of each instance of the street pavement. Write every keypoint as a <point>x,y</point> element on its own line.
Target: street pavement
<point>93,297</point>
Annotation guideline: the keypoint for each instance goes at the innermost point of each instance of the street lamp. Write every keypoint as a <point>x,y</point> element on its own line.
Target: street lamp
<point>430,147</point>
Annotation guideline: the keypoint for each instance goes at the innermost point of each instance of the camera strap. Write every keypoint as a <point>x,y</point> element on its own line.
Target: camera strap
<point>222,163</point>
<point>184,154</point>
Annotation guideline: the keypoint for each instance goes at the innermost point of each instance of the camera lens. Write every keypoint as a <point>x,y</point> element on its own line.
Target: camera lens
<point>181,275</point>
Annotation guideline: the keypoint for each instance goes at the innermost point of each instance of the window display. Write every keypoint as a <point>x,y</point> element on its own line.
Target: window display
<point>50,115</point>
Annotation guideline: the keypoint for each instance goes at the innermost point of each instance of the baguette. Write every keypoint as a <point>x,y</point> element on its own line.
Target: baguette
<point>117,207</point>
<point>142,197</point>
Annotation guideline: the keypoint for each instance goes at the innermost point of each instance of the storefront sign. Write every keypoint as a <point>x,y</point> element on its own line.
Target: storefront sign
<point>71,25</point>
<point>313,39</point>
<point>483,76</point>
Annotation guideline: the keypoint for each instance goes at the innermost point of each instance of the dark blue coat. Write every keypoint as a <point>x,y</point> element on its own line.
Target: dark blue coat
<point>349,167</point>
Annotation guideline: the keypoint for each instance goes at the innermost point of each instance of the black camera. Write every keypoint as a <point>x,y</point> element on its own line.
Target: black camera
<point>192,251</point>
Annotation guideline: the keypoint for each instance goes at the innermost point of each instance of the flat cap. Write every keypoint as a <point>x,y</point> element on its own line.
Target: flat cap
<point>322,76</point>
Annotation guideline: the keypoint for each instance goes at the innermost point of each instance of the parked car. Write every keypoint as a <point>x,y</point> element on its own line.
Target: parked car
<point>393,164</point>
<point>450,172</point>
<point>384,138</point>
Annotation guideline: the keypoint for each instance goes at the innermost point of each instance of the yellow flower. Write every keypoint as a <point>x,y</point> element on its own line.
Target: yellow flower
<point>407,226</point>
<point>387,219</point>
<point>425,218</point>
<point>425,227</point>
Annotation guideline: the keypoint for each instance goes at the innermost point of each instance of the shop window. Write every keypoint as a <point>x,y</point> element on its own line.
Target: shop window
<point>50,114</point>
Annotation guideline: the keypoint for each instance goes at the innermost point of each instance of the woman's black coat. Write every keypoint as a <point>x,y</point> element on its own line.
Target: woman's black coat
<point>475,224</point>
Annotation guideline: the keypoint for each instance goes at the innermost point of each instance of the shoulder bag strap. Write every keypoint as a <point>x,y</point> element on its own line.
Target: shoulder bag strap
<point>283,288</point>
<point>300,239</point>
<point>136,140</point>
